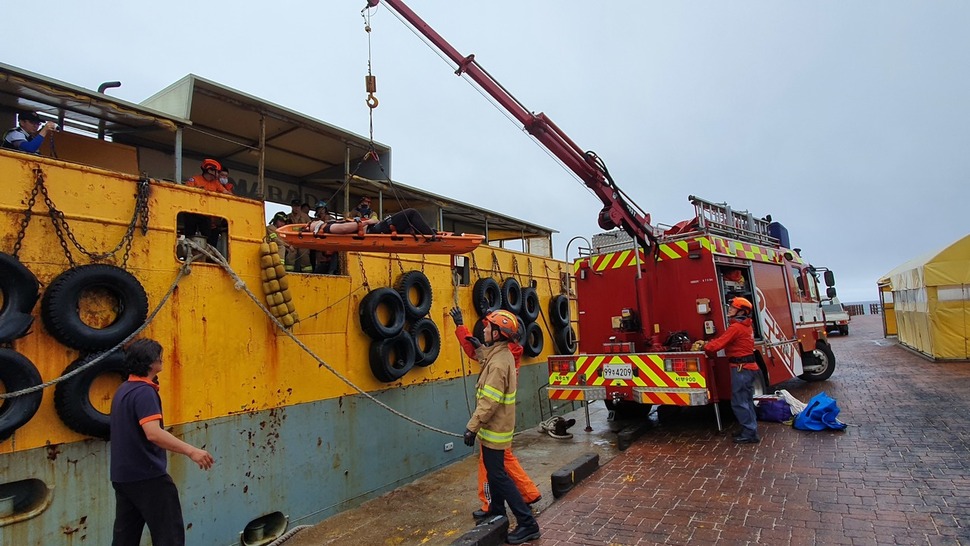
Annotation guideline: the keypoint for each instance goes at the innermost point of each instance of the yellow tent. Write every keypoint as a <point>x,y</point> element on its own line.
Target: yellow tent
<point>931,297</point>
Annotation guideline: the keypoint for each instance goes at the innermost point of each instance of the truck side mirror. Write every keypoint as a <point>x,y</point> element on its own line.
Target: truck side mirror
<point>829,278</point>
<point>830,292</point>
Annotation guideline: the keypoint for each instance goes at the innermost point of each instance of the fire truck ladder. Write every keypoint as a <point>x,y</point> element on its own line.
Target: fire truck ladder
<point>719,219</point>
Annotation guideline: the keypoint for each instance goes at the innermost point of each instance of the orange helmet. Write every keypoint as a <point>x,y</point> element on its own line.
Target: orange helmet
<point>211,164</point>
<point>742,303</point>
<point>505,322</point>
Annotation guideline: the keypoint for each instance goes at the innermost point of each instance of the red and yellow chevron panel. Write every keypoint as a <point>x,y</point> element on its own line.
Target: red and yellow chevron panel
<point>568,395</point>
<point>648,372</point>
<point>665,399</point>
<point>613,260</point>
<point>678,249</point>
<point>738,249</point>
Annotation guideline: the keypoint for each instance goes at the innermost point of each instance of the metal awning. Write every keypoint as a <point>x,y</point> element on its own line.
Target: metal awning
<point>196,118</point>
<point>23,90</point>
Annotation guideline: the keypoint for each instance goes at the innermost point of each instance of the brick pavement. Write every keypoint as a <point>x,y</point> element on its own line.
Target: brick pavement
<point>899,475</point>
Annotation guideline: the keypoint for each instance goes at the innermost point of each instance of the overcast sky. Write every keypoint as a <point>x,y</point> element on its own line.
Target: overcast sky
<point>847,121</point>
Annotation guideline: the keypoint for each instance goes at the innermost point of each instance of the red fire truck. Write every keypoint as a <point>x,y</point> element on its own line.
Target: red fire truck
<point>640,312</point>
<point>645,294</point>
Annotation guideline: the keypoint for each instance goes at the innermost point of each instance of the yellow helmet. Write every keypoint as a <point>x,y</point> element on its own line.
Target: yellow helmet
<point>505,322</point>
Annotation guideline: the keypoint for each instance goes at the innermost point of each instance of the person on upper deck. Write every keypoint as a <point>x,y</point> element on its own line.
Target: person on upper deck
<point>363,210</point>
<point>325,262</point>
<point>29,134</point>
<point>298,259</point>
<point>224,179</point>
<point>209,178</point>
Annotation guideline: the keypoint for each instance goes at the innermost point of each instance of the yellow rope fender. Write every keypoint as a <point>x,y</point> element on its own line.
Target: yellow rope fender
<point>276,287</point>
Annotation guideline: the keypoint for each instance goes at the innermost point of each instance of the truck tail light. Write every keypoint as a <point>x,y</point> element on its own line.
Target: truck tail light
<point>562,365</point>
<point>681,365</point>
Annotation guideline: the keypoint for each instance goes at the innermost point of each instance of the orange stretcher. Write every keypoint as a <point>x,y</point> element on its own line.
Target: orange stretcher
<point>443,242</point>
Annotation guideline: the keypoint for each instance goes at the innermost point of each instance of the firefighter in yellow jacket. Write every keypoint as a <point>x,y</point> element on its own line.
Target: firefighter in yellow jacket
<point>493,422</point>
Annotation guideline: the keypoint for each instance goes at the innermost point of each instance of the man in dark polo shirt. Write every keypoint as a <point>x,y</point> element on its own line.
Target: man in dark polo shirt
<point>144,492</point>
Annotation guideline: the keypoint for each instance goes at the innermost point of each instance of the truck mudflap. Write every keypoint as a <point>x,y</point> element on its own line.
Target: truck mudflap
<point>671,378</point>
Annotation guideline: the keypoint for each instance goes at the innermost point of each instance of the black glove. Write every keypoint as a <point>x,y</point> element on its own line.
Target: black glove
<point>476,343</point>
<point>469,438</point>
<point>456,316</point>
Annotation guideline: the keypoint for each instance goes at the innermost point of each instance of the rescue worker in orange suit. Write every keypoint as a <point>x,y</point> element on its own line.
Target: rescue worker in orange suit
<point>738,344</point>
<point>493,421</point>
<point>525,485</point>
<point>209,179</point>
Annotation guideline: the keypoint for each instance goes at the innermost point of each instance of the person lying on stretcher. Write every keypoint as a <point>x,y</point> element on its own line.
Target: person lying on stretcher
<point>407,221</point>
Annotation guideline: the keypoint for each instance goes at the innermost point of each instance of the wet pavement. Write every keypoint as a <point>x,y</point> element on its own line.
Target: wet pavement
<point>900,473</point>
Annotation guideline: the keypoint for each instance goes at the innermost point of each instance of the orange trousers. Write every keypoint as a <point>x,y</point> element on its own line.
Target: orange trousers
<point>525,485</point>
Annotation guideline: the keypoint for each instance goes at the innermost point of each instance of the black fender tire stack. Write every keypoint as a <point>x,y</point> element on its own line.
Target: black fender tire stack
<point>563,334</point>
<point>385,314</point>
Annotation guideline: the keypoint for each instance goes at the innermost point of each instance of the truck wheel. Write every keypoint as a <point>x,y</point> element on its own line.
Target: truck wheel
<point>844,330</point>
<point>823,357</point>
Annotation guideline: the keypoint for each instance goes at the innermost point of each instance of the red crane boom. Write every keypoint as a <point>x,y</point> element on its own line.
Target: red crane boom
<point>618,210</point>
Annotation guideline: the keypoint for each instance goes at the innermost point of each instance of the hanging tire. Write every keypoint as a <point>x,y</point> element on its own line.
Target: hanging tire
<point>391,358</point>
<point>60,306</point>
<point>486,296</point>
<point>417,283</point>
<point>20,293</point>
<point>565,340</point>
<point>370,312</point>
<point>530,304</point>
<point>17,373</point>
<point>512,296</point>
<point>532,340</point>
<point>559,311</point>
<point>72,397</point>
<point>427,342</point>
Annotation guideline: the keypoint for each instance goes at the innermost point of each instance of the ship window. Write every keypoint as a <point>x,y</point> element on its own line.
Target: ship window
<point>22,500</point>
<point>201,229</point>
<point>460,270</point>
<point>264,529</point>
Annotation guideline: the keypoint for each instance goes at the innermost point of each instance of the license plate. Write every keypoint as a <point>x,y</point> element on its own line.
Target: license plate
<point>618,371</point>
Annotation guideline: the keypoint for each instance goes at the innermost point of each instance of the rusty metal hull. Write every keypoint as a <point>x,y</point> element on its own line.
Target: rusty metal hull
<point>307,461</point>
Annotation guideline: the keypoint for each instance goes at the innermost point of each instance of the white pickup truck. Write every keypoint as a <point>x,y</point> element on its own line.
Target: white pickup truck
<point>836,318</point>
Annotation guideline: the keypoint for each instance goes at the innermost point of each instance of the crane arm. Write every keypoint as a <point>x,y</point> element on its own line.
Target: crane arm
<point>618,210</point>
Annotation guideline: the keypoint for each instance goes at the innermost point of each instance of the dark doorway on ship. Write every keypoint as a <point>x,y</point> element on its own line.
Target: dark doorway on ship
<point>203,228</point>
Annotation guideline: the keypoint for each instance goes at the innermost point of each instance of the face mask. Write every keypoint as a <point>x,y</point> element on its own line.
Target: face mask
<point>364,209</point>
<point>224,180</point>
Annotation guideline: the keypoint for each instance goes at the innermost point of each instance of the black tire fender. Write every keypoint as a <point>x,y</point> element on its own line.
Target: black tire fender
<point>532,340</point>
<point>565,340</point>
<point>72,397</point>
<point>59,306</point>
<point>20,294</point>
<point>392,357</point>
<point>417,282</point>
<point>427,342</point>
<point>512,295</point>
<point>559,311</point>
<point>530,304</point>
<point>370,314</point>
<point>486,296</point>
<point>17,373</point>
